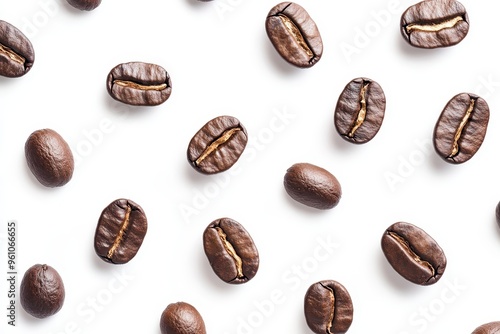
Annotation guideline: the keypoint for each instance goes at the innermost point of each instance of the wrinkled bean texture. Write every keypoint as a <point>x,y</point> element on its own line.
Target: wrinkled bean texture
<point>16,51</point>
<point>85,4</point>
<point>488,328</point>
<point>181,318</point>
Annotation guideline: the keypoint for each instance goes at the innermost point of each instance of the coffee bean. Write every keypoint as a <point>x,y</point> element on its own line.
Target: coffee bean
<point>312,186</point>
<point>294,34</point>
<point>413,253</point>
<point>328,308</point>
<point>120,231</point>
<point>42,291</point>
<point>360,110</point>
<point>461,128</point>
<point>488,328</point>
<point>139,84</point>
<point>435,23</point>
<point>85,4</point>
<point>231,251</point>
<point>497,213</point>
<point>181,318</point>
<point>217,145</point>
<point>49,158</point>
<point>16,51</point>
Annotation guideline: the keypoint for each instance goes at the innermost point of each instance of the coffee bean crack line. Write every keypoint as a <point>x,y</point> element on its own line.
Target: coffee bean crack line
<point>331,318</point>
<point>216,143</point>
<point>119,237</point>
<point>399,239</point>
<point>434,27</point>
<point>12,55</point>
<point>362,111</point>
<point>134,85</point>
<point>232,252</point>
<point>463,123</point>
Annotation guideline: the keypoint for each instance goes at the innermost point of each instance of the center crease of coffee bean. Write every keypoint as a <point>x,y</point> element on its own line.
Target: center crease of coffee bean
<point>119,236</point>
<point>295,32</point>
<point>362,111</point>
<point>232,252</point>
<point>434,26</point>
<point>134,85</point>
<point>458,134</point>
<point>12,55</point>
<point>215,144</point>
<point>410,251</point>
<point>332,312</point>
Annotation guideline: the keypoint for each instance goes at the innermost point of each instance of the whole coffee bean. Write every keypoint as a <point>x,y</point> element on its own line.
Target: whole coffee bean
<point>181,318</point>
<point>328,308</point>
<point>120,231</point>
<point>497,213</point>
<point>231,251</point>
<point>139,84</point>
<point>312,186</point>
<point>461,128</point>
<point>16,51</point>
<point>85,4</point>
<point>488,328</point>
<point>435,23</point>
<point>294,34</point>
<point>42,291</point>
<point>413,253</point>
<point>217,145</point>
<point>360,110</point>
<point>49,158</point>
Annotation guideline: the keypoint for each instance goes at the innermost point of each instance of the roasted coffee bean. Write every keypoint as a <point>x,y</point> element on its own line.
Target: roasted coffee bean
<point>461,128</point>
<point>16,51</point>
<point>49,158</point>
<point>139,84</point>
<point>181,318</point>
<point>435,23</point>
<point>294,34</point>
<point>312,186</point>
<point>413,253</point>
<point>85,4</point>
<point>217,145</point>
<point>42,291</point>
<point>360,110</point>
<point>497,214</point>
<point>231,251</point>
<point>120,231</point>
<point>488,328</point>
<point>328,308</point>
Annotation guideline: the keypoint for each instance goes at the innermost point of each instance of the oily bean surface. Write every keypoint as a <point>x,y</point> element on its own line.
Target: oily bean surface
<point>312,185</point>
<point>120,231</point>
<point>413,253</point>
<point>461,128</point>
<point>218,145</point>
<point>16,51</point>
<point>49,158</point>
<point>139,84</point>
<point>328,308</point>
<point>435,23</point>
<point>294,34</point>
<point>360,110</point>
<point>42,291</point>
<point>85,4</point>
<point>488,328</point>
<point>231,251</point>
<point>181,318</point>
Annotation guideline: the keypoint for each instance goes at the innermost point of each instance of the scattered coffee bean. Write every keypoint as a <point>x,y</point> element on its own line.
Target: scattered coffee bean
<point>360,110</point>
<point>85,4</point>
<point>120,231</point>
<point>42,291</point>
<point>435,23</point>
<point>49,158</point>
<point>181,318</point>
<point>488,328</point>
<point>328,308</point>
<point>294,34</point>
<point>461,128</point>
<point>139,84</point>
<point>413,253</point>
<point>16,51</point>
<point>497,213</point>
<point>231,251</point>
<point>312,186</point>
<point>217,145</point>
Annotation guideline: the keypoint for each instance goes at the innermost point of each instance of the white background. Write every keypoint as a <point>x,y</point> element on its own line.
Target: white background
<point>222,62</point>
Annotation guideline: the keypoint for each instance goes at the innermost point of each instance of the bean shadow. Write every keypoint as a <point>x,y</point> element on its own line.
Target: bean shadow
<point>420,54</point>
<point>302,208</point>
<point>209,275</point>
<point>276,61</point>
<point>395,280</point>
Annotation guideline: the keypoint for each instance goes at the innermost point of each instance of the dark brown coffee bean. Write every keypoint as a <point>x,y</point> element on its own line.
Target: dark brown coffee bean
<point>139,84</point>
<point>413,253</point>
<point>217,145</point>
<point>49,158</point>
<point>435,23</point>
<point>497,214</point>
<point>488,328</point>
<point>85,4</point>
<point>328,308</point>
<point>181,318</point>
<point>360,110</point>
<point>294,34</point>
<point>120,231</point>
<point>312,186</point>
<point>461,128</point>
<point>16,52</point>
<point>231,251</point>
<point>42,291</point>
